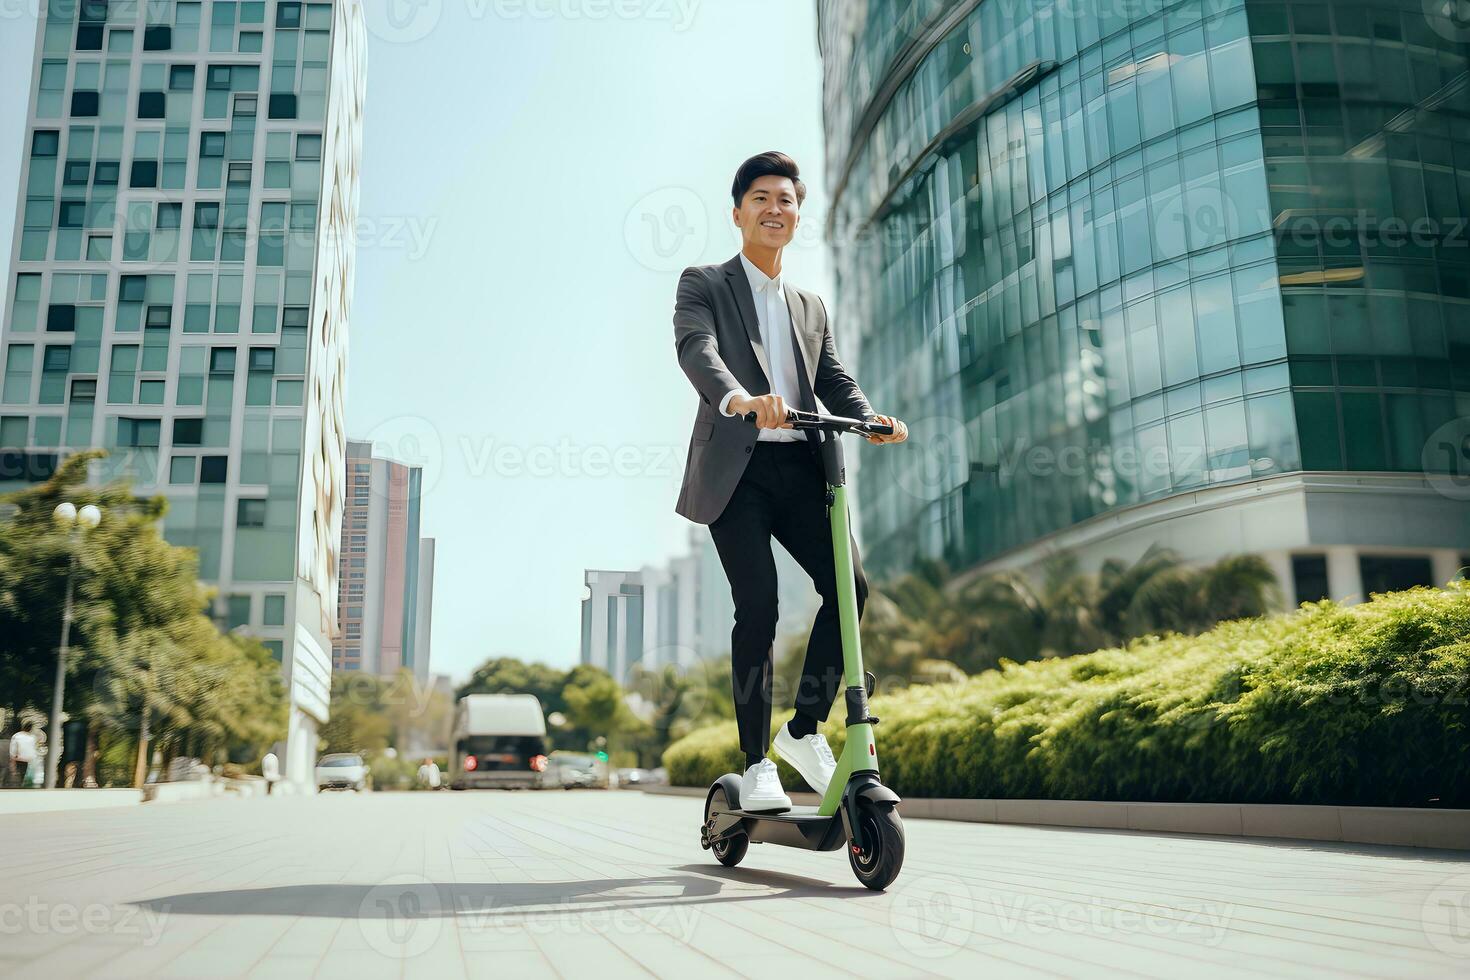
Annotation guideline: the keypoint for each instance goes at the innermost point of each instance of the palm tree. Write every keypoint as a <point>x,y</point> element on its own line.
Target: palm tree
<point>975,623</point>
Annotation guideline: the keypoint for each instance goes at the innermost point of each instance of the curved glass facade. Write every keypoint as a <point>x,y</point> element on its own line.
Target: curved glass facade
<point>1082,293</point>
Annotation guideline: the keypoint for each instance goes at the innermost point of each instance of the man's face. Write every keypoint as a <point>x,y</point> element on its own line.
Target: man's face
<point>768,215</point>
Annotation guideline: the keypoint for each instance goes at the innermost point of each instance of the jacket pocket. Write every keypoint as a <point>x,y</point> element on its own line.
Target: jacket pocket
<point>703,430</point>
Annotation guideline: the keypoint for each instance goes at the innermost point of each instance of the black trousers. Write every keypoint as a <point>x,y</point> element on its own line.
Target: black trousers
<point>782,494</point>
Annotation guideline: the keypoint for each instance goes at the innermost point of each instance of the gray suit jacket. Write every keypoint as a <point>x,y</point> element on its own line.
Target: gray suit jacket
<point>717,338</point>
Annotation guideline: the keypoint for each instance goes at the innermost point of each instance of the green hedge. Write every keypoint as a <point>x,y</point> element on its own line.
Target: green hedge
<point>1360,704</point>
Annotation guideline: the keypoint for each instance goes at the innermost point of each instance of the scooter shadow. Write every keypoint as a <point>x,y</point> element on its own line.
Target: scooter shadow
<point>795,886</point>
<point>411,898</point>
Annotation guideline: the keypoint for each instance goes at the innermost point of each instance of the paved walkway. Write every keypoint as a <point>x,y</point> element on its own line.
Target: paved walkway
<point>614,884</point>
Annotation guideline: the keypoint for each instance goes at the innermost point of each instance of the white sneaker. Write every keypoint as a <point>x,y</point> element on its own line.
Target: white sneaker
<point>760,789</point>
<point>808,755</point>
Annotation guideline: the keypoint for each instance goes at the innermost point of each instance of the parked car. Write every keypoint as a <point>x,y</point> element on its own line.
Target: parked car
<point>342,770</point>
<point>633,778</point>
<point>576,770</point>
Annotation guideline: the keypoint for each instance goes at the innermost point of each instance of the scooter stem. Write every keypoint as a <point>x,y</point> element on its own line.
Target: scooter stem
<point>859,753</point>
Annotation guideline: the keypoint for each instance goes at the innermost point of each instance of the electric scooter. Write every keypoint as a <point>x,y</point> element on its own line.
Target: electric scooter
<point>857,809</point>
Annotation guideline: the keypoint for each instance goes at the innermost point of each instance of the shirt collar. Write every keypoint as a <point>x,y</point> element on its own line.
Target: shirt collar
<point>758,279</point>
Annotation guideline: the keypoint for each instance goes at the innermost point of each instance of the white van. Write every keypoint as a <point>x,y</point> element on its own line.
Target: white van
<point>499,742</point>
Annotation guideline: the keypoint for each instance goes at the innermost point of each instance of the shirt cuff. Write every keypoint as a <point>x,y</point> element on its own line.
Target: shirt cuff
<point>725,402</point>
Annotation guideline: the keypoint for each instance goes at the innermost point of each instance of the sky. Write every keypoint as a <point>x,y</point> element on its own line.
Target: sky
<point>535,175</point>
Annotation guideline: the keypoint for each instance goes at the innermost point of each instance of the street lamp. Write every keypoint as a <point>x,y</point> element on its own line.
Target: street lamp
<point>75,520</point>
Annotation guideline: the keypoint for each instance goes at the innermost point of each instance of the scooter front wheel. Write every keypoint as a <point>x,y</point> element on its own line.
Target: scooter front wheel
<point>731,850</point>
<point>880,858</point>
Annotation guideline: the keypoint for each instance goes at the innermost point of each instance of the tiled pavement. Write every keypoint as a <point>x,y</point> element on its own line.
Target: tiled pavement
<point>614,884</point>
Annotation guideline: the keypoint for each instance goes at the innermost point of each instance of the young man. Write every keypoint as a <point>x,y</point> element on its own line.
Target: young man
<point>751,342</point>
<point>22,753</point>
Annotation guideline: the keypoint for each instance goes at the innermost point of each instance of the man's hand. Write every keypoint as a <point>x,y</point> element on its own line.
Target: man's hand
<point>770,410</point>
<point>900,431</point>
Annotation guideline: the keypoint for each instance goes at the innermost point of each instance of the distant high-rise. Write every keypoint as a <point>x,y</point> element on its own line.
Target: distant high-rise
<point>179,290</point>
<point>679,613</point>
<point>387,571</point>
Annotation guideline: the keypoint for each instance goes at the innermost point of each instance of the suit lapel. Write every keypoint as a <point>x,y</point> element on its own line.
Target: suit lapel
<point>739,284</point>
<point>805,345</point>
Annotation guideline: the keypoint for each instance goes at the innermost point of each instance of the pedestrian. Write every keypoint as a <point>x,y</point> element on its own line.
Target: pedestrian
<point>429,774</point>
<point>22,753</point>
<point>751,342</point>
<point>270,768</point>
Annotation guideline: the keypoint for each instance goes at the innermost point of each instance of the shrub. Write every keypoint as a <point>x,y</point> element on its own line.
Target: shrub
<point>1330,704</point>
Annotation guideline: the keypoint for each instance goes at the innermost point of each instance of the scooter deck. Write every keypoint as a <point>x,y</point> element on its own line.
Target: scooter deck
<point>801,826</point>
<point>797,814</point>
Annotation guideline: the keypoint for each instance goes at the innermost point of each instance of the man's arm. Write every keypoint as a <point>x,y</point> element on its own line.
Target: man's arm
<point>698,351</point>
<point>834,386</point>
<point>695,343</point>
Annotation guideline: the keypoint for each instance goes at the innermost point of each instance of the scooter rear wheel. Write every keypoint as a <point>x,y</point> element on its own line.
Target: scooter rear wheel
<point>731,850</point>
<point>881,858</point>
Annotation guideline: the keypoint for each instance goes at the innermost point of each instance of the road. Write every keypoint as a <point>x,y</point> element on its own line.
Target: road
<point>614,884</point>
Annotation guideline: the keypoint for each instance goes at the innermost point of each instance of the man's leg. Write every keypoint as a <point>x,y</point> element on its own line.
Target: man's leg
<point>804,529</point>
<point>742,537</point>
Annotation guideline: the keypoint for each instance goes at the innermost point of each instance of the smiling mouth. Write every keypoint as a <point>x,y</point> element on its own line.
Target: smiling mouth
<point>773,225</point>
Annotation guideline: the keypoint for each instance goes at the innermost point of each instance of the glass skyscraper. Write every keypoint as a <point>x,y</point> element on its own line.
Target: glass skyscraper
<point>1194,273</point>
<point>178,292</point>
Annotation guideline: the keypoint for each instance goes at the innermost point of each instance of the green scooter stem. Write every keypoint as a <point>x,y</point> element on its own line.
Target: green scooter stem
<point>860,753</point>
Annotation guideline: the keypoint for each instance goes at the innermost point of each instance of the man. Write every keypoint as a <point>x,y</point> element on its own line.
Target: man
<point>270,769</point>
<point>751,342</point>
<point>22,753</point>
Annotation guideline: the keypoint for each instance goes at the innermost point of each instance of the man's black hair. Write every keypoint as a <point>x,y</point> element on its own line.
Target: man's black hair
<point>772,162</point>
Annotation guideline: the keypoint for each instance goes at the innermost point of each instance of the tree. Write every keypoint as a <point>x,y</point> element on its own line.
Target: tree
<point>595,703</point>
<point>358,718</point>
<point>976,623</point>
<point>142,645</point>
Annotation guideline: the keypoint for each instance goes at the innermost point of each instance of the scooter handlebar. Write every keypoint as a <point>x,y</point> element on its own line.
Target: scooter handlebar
<point>830,423</point>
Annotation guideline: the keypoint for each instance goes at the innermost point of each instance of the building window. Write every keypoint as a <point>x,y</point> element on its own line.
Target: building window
<point>213,469</point>
<point>188,432</point>
<point>250,512</point>
<point>1310,574</point>
<point>89,37</point>
<point>137,433</point>
<point>1394,573</point>
<point>61,318</point>
<point>84,104</point>
<point>151,105</point>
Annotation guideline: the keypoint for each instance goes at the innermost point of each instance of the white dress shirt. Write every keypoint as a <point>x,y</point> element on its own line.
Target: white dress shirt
<point>23,747</point>
<point>775,324</point>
